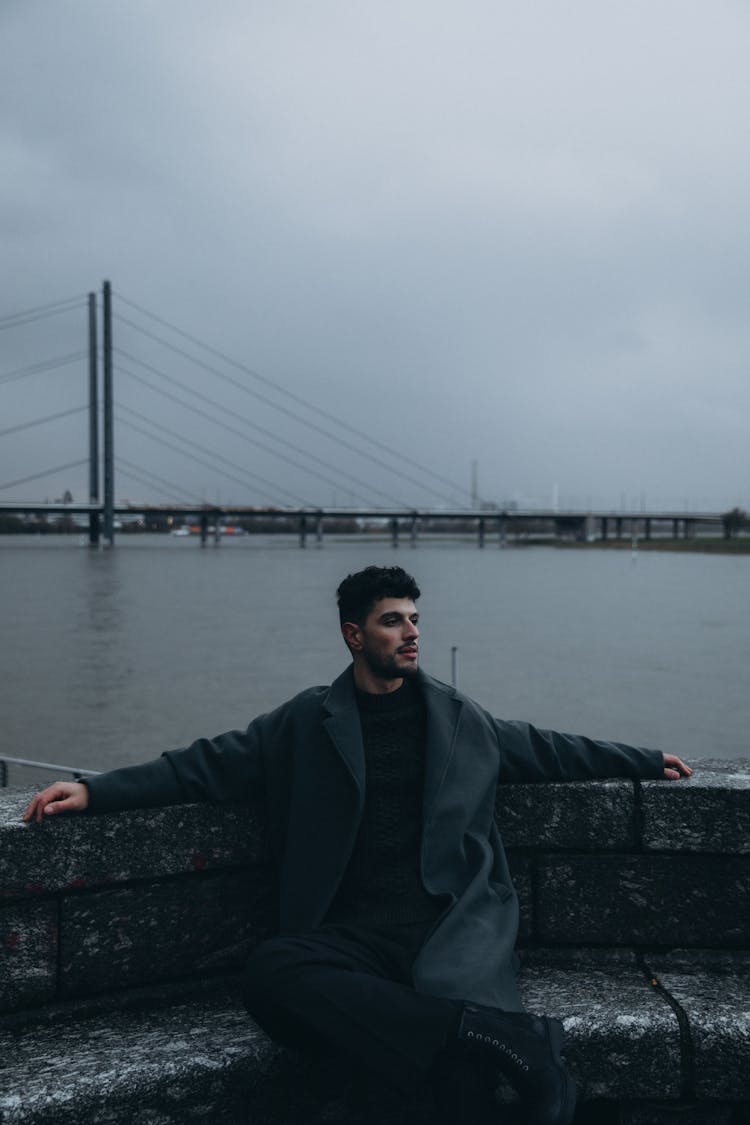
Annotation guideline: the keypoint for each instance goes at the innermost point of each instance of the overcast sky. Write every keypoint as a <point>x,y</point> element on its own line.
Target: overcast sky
<point>507,233</point>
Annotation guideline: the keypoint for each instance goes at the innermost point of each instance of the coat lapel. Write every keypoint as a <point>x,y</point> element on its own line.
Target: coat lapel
<point>345,731</point>
<point>443,714</point>
<point>344,728</point>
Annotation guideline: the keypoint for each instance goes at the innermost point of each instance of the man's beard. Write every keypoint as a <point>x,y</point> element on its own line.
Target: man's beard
<point>389,669</point>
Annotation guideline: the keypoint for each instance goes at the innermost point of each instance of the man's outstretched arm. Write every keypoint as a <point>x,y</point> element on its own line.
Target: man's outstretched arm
<point>226,768</point>
<point>528,753</point>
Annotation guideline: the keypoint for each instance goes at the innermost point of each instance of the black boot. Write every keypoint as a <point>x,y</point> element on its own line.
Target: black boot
<point>526,1050</point>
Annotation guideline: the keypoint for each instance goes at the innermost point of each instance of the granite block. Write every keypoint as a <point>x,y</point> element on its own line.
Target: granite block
<point>644,899</point>
<point>28,953</point>
<point>715,997</point>
<point>113,938</point>
<point>203,1061</point>
<point>77,851</point>
<point>708,812</point>
<point>621,1038</point>
<point>592,814</point>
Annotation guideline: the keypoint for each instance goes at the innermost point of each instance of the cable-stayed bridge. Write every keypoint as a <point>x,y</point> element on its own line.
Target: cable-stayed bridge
<point>171,386</point>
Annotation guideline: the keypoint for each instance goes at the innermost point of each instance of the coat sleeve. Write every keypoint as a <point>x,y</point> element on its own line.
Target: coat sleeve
<point>226,768</point>
<point>530,754</point>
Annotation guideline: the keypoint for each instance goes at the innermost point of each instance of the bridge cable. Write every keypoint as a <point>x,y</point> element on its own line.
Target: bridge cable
<point>160,439</point>
<point>41,312</point>
<point>233,429</point>
<point>154,481</point>
<point>340,441</point>
<point>289,394</point>
<point>212,453</point>
<point>42,365</point>
<point>40,421</point>
<point>46,473</point>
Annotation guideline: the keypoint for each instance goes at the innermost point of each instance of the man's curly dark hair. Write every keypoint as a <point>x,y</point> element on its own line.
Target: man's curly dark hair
<point>359,592</point>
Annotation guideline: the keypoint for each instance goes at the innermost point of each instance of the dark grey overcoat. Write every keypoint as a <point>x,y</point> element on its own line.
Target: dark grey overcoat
<point>306,761</point>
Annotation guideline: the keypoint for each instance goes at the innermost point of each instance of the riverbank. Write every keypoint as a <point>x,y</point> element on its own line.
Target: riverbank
<point>716,546</point>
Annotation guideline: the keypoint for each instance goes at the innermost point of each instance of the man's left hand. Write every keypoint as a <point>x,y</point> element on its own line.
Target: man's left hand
<point>675,768</point>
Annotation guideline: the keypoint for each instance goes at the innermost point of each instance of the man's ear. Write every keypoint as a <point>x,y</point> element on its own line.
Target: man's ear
<point>352,635</point>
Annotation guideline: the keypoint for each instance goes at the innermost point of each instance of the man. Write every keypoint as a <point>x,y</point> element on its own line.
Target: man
<point>397,917</point>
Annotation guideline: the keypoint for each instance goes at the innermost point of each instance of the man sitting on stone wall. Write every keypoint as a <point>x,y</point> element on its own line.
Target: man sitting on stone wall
<point>397,916</point>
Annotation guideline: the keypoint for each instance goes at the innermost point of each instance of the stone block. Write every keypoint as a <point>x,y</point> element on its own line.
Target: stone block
<point>199,1062</point>
<point>621,1038</point>
<point>714,994</point>
<point>78,851</point>
<point>644,900</point>
<point>28,953</point>
<point>575,815</point>
<point>708,812</point>
<point>115,938</point>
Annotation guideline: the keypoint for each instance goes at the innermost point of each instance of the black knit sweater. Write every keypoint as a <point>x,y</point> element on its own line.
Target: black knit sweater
<point>382,885</point>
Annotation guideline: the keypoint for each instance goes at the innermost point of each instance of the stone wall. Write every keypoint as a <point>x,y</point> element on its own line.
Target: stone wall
<point>94,904</point>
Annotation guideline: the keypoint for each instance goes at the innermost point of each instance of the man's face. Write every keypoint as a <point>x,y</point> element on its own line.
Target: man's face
<point>388,641</point>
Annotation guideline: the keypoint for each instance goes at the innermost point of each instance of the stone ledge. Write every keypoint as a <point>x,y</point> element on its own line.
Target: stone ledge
<point>204,1059</point>
<point>80,851</point>
<point>709,812</point>
<point>714,994</point>
<point>573,814</point>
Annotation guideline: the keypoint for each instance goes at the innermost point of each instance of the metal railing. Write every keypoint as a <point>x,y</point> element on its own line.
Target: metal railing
<point>77,773</point>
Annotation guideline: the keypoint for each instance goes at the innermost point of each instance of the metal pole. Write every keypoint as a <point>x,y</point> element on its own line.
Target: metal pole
<point>109,459</point>
<point>93,424</point>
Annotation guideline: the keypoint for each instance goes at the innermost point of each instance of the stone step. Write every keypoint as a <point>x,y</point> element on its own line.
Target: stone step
<point>683,1041</point>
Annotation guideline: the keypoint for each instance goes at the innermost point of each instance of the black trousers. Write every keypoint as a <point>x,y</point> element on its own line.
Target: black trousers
<point>350,990</point>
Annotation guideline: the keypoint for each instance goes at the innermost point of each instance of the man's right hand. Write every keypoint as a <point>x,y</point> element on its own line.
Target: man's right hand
<point>63,796</point>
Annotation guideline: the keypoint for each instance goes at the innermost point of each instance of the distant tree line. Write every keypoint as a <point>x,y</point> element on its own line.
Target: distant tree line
<point>733,522</point>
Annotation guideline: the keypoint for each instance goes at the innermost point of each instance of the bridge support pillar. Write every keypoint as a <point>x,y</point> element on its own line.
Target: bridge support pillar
<point>647,528</point>
<point>303,531</point>
<point>618,527</point>
<point>413,527</point>
<point>319,531</point>
<point>604,528</point>
<point>502,532</point>
<point>204,529</point>
<point>480,531</point>
<point>217,530</point>
<point>675,529</point>
<point>394,532</point>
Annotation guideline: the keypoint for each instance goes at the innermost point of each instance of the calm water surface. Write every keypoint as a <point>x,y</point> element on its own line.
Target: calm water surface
<point>110,657</point>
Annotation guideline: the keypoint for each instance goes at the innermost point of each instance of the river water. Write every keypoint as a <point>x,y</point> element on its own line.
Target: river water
<point>109,657</point>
